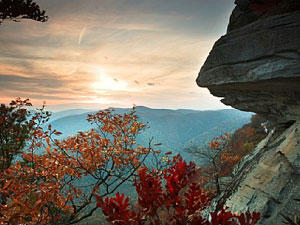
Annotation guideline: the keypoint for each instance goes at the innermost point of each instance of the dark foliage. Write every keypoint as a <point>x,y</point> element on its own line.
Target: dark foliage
<point>21,9</point>
<point>14,130</point>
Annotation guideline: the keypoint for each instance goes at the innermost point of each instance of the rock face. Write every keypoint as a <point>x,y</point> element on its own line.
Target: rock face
<point>256,67</point>
<point>248,11</point>
<point>269,181</point>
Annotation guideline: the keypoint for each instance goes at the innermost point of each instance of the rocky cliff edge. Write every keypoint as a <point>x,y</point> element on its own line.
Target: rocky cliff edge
<point>256,67</point>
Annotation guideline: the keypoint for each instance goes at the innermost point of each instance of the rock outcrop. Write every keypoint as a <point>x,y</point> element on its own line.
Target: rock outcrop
<point>248,11</point>
<point>268,180</point>
<point>256,67</point>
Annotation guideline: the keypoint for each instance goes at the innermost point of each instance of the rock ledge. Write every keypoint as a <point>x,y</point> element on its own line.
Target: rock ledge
<point>257,67</point>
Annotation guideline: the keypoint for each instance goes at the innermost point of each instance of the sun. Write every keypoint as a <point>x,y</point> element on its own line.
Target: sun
<point>105,82</point>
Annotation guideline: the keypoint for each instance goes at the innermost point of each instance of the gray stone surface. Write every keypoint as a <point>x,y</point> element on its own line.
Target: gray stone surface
<point>257,67</point>
<point>266,49</point>
<point>249,11</point>
<point>273,183</point>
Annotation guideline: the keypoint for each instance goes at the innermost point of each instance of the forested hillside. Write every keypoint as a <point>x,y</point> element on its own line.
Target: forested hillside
<point>174,129</point>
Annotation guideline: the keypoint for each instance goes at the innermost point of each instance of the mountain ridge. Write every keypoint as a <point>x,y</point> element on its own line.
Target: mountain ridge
<point>175,129</point>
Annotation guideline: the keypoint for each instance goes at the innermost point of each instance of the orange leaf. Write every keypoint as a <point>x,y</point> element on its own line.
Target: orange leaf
<point>48,141</point>
<point>48,149</point>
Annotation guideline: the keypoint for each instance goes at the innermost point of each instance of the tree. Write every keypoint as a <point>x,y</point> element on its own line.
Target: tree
<point>14,130</point>
<point>223,153</point>
<point>21,9</point>
<point>59,185</point>
<point>219,157</point>
<point>65,182</point>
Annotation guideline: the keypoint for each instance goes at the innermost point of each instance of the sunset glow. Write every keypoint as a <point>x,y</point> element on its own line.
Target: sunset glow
<point>112,53</point>
<point>103,83</point>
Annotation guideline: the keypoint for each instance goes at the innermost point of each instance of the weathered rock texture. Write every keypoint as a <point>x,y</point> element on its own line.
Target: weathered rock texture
<point>268,180</point>
<point>256,67</point>
<point>248,11</point>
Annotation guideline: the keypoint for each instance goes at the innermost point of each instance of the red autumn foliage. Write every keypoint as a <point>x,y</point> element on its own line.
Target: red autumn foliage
<point>180,202</point>
<point>149,184</point>
<point>224,217</point>
<point>71,179</point>
<point>54,182</point>
<point>117,209</point>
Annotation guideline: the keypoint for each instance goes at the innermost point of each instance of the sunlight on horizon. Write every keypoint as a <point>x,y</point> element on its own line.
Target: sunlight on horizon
<point>104,83</point>
<point>112,53</point>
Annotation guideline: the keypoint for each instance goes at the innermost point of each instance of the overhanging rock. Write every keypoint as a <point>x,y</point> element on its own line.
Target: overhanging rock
<point>256,67</point>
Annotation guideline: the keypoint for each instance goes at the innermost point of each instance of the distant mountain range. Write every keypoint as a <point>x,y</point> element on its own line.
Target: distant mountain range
<point>175,129</point>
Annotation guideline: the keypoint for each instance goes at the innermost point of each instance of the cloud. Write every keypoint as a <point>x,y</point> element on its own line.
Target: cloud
<point>162,41</point>
<point>36,88</point>
<point>82,32</point>
<point>16,81</point>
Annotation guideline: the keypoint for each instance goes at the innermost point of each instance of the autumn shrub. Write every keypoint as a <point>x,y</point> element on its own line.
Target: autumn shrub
<point>58,185</point>
<point>181,201</point>
<point>244,139</point>
<point>223,153</point>
<point>71,179</point>
<point>220,160</point>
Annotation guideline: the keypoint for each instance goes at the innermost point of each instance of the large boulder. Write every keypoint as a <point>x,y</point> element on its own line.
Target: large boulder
<point>256,65</point>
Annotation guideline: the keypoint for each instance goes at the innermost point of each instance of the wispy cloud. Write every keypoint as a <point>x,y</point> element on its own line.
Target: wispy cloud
<point>82,32</point>
<point>118,52</point>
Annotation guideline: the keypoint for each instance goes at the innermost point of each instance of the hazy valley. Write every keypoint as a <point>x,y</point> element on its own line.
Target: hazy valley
<point>174,129</point>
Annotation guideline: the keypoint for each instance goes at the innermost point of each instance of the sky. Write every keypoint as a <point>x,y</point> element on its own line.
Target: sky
<point>101,53</point>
